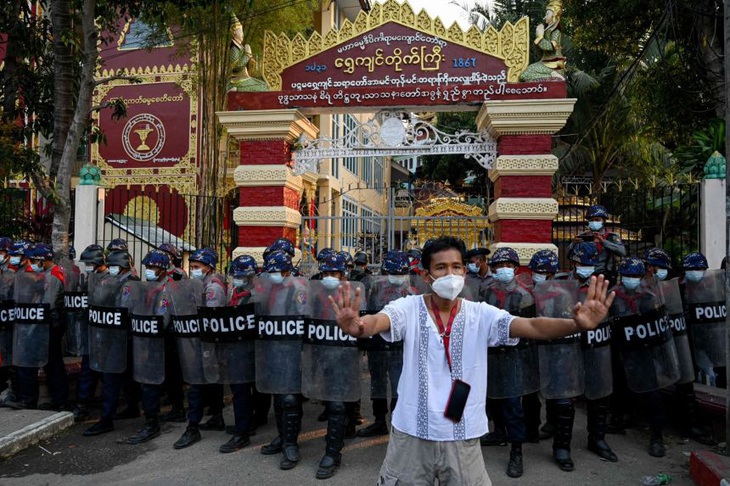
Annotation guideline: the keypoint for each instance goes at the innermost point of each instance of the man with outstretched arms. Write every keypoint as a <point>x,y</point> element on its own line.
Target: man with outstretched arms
<point>441,408</point>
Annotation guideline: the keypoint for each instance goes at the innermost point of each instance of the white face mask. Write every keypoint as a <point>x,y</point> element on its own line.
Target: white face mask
<point>38,267</point>
<point>472,268</point>
<point>584,272</point>
<point>661,274</point>
<point>150,275</point>
<point>114,270</point>
<point>504,274</point>
<point>276,277</point>
<point>631,283</point>
<point>330,283</point>
<point>15,260</point>
<point>449,286</point>
<point>397,279</point>
<point>695,275</point>
<point>3,259</point>
<point>238,282</point>
<point>595,225</point>
<point>539,277</point>
<point>196,273</point>
<point>88,268</point>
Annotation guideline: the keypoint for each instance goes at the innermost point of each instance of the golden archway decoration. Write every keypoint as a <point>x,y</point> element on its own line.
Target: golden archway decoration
<point>469,221</point>
<point>510,44</point>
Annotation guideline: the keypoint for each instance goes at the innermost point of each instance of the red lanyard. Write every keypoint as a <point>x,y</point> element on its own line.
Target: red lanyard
<point>445,333</point>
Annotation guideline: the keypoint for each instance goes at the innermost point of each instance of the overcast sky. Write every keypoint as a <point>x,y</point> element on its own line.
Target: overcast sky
<point>444,9</point>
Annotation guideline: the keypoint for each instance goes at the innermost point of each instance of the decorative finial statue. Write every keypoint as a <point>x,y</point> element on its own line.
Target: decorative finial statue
<point>547,38</point>
<point>90,175</point>
<point>715,166</point>
<point>242,61</point>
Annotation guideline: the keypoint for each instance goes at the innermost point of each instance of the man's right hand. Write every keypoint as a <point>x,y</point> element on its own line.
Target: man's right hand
<point>347,310</point>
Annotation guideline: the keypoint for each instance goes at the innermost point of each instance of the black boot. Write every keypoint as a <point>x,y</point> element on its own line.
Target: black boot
<point>81,412</point>
<point>150,430</point>
<point>292,424</point>
<point>656,444</point>
<point>215,422</point>
<point>514,467</point>
<point>275,446</point>
<point>176,415</point>
<point>690,425</point>
<point>379,427</point>
<point>189,437</point>
<point>101,427</point>
<point>597,411</point>
<point>563,417</point>
<point>335,441</point>
<point>237,442</point>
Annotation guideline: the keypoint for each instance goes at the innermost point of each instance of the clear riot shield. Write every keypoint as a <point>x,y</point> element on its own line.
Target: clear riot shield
<point>706,318</point>
<point>641,330</point>
<point>31,333</point>
<point>384,359</point>
<point>514,371</point>
<point>148,316</point>
<point>7,316</point>
<point>420,286</point>
<point>561,361</point>
<point>186,296</point>
<point>672,299</point>
<point>227,336</point>
<point>76,307</point>
<point>280,310</point>
<point>330,358</point>
<point>108,323</point>
<point>472,286</point>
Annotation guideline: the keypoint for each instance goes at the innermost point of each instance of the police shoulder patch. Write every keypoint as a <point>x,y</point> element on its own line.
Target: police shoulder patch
<point>301,297</point>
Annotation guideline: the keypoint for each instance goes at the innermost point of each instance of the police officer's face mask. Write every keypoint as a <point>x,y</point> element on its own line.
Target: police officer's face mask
<point>197,273</point>
<point>472,267</point>
<point>330,283</point>
<point>89,268</point>
<point>504,274</point>
<point>276,277</point>
<point>3,258</point>
<point>397,279</point>
<point>595,225</point>
<point>631,283</point>
<point>37,267</point>
<point>114,270</point>
<point>695,275</point>
<point>238,283</point>
<point>661,274</point>
<point>150,275</point>
<point>584,272</point>
<point>15,260</point>
<point>539,277</point>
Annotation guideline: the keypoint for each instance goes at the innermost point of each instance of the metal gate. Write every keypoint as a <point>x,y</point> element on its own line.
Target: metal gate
<point>375,235</point>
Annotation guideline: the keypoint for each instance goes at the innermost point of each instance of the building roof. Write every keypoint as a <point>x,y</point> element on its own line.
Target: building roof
<point>148,232</point>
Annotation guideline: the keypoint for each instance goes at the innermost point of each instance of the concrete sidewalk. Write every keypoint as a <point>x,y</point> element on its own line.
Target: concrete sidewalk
<point>20,429</point>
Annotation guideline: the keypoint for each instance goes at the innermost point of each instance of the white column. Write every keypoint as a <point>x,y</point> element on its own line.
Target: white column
<point>712,221</point>
<point>88,216</point>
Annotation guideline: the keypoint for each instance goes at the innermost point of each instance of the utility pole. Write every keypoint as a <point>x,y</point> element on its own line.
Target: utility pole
<point>726,51</point>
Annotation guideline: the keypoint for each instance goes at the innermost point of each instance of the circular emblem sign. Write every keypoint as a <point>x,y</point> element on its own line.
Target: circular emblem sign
<point>143,137</point>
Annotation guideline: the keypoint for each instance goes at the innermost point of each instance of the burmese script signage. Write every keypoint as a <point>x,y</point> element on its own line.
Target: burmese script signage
<point>155,131</point>
<point>396,65</point>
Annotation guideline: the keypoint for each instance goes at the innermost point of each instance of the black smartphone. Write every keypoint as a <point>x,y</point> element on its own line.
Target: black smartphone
<point>457,400</point>
<point>588,238</point>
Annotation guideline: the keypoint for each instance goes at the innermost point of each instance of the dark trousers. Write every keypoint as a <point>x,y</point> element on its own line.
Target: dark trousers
<point>201,395</point>
<point>173,384</point>
<point>243,406</point>
<point>112,385</point>
<point>262,405</point>
<point>509,418</point>
<point>56,379</point>
<point>151,401</point>
<point>88,379</point>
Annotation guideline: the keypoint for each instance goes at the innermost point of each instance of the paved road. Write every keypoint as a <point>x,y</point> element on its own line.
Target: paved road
<point>75,460</point>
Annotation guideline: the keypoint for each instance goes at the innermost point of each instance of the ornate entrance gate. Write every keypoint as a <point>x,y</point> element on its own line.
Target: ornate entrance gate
<point>403,62</point>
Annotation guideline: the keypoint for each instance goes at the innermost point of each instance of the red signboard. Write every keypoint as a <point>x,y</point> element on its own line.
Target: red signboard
<point>156,131</point>
<point>395,65</point>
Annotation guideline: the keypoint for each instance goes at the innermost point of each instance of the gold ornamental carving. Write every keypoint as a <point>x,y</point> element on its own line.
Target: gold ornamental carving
<point>524,117</point>
<point>524,165</point>
<point>534,208</point>
<point>267,216</point>
<point>511,43</point>
<point>433,228</point>
<point>267,175</point>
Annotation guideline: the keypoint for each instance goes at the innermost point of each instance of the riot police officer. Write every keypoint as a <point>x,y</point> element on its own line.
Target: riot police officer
<point>175,271</point>
<point>109,352</point>
<point>51,276</point>
<point>320,257</point>
<point>94,261</point>
<point>385,360</point>
<point>7,284</point>
<point>242,271</point>
<point>478,269</point>
<point>647,360</point>
<point>657,263</point>
<point>16,255</point>
<point>149,304</point>
<point>361,269</point>
<point>609,245</point>
<point>278,360</point>
<point>596,356</point>
<point>506,388</point>
<point>202,267</point>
